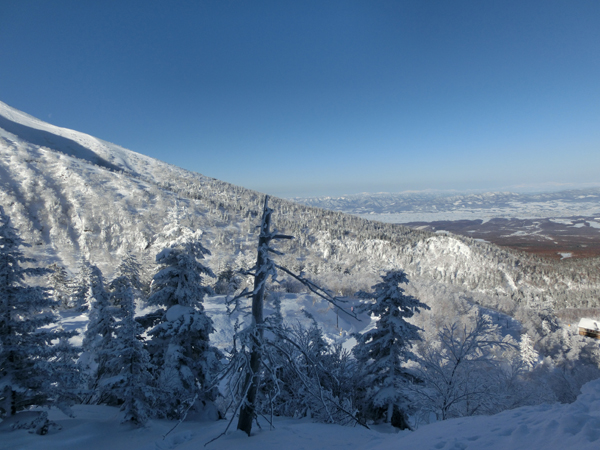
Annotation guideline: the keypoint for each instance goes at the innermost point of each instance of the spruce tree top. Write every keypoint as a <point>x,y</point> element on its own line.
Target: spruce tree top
<point>392,306</point>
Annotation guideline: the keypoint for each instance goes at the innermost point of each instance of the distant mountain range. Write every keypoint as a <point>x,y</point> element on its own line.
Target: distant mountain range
<point>554,224</point>
<point>429,207</point>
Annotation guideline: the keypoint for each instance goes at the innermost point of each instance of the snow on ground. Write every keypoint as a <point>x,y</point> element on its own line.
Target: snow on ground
<point>548,427</point>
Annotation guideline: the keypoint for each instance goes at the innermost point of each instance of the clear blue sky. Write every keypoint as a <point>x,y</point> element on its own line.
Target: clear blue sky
<point>300,98</point>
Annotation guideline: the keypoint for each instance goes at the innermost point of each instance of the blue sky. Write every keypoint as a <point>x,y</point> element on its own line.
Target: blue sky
<point>301,98</point>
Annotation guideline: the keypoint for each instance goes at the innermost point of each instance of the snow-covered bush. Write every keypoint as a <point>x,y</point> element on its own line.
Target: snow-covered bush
<point>461,370</point>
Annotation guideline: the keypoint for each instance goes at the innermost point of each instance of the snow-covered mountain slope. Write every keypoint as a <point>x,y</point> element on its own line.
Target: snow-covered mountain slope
<point>72,196</point>
<point>14,123</point>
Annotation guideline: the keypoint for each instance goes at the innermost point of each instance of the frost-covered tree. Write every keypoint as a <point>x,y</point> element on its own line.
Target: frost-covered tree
<point>228,281</point>
<point>99,337</point>
<point>79,288</point>
<point>179,343</point>
<point>129,272</point>
<point>255,355</point>
<point>528,354</point>
<point>27,375</point>
<point>67,378</point>
<point>304,376</point>
<point>58,281</point>
<point>383,350</point>
<point>128,362</point>
<point>461,370</point>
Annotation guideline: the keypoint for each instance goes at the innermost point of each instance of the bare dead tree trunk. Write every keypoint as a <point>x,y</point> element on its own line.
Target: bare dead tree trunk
<point>265,267</point>
<point>262,272</point>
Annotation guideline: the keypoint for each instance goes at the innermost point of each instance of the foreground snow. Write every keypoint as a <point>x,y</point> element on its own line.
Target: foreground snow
<point>576,425</point>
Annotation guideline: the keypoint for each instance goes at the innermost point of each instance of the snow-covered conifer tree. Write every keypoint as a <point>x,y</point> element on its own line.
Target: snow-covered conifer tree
<point>528,354</point>
<point>26,350</point>
<point>98,340</point>
<point>128,362</point>
<point>59,283</point>
<point>79,288</point>
<point>180,342</point>
<point>67,379</point>
<point>382,350</point>
<point>128,272</point>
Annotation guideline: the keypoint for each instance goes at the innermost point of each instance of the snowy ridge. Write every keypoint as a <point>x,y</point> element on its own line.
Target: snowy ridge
<point>74,143</point>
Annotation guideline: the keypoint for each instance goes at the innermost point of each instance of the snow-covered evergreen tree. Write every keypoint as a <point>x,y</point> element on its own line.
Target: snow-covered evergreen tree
<point>528,354</point>
<point>66,375</point>
<point>382,350</point>
<point>26,350</point>
<point>98,341</point>
<point>129,272</point>
<point>180,345</point>
<point>79,287</point>
<point>129,362</point>
<point>59,284</point>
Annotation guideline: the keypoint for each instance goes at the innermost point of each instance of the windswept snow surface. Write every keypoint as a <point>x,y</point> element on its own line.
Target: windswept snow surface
<point>548,427</point>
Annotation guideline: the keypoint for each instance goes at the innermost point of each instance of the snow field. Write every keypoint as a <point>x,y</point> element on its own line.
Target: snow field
<point>548,427</point>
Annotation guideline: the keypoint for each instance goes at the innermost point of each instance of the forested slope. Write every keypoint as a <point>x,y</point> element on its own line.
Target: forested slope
<point>73,196</point>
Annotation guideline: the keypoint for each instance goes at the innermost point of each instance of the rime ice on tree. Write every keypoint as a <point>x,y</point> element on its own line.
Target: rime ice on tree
<point>27,374</point>
<point>180,342</point>
<point>382,350</point>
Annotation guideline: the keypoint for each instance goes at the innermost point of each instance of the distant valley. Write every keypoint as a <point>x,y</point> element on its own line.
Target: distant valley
<point>576,237</point>
<point>555,224</point>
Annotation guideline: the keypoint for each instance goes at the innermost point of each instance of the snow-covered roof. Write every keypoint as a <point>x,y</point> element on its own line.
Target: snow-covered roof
<point>590,324</point>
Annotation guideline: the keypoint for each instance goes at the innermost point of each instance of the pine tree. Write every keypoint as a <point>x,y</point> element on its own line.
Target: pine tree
<point>180,342</point>
<point>128,272</point>
<point>382,350</point>
<point>67,376</point>
<point>26,350</point>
